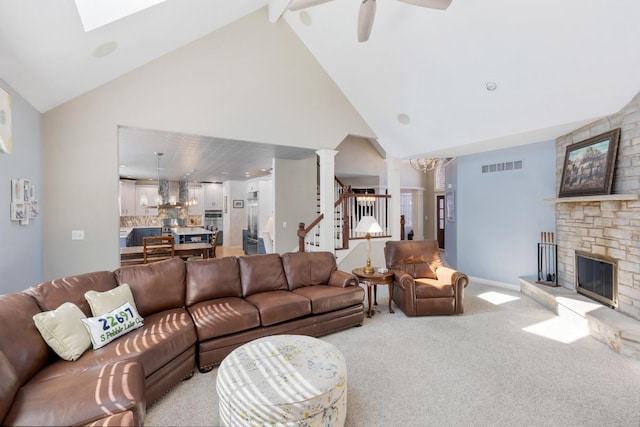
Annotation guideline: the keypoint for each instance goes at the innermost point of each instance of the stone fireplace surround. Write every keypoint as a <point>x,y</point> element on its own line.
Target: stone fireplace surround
<point>607,226</point>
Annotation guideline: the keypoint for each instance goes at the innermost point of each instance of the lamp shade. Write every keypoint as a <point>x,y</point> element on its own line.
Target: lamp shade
<point>368,224</point>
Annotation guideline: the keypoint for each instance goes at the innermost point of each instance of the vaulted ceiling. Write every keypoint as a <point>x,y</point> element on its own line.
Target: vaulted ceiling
<point>421,81</point>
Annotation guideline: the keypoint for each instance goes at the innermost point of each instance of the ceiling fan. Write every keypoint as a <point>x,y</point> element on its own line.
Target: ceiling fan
<point>368,11</point>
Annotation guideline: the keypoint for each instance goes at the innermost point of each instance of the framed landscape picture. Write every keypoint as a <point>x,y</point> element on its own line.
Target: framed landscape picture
<point>589,165</point>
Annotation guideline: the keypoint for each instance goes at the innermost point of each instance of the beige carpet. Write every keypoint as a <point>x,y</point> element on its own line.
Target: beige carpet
<point>507,361</point>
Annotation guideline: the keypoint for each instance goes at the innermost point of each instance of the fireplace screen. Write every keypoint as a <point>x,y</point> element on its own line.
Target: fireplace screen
<point>596,278</point>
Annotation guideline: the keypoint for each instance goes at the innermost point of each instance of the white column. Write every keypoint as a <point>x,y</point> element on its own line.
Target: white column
<point>393,183</point>
<point>327,176</point>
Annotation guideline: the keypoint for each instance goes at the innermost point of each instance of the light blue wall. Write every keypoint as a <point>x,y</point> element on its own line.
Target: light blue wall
<point>21,247</point>
<point>500,215</point>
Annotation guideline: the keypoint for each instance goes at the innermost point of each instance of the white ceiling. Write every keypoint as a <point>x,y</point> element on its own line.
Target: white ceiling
<point>557,64</point>
<point>195,157</point>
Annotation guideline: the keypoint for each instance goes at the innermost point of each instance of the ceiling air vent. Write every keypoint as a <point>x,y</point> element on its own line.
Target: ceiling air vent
<point>502,167</point>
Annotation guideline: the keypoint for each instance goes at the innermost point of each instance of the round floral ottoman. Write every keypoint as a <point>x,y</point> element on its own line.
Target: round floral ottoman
<point>283,380</point>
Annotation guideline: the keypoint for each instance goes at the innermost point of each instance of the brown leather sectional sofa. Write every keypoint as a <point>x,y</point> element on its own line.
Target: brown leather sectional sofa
<point>195,313</point>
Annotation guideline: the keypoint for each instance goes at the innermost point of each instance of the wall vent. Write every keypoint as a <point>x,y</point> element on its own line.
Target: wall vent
<point>502,167</point>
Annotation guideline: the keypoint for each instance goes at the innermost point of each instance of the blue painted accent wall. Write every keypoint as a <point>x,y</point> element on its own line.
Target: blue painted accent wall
<point>21,248</point>
<point>500,215</point>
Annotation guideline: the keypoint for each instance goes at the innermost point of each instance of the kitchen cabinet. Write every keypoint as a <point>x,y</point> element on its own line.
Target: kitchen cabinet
<point>198,194</point>
<point>127,198</point>
<point>213,196</point>
<point>146,196</point>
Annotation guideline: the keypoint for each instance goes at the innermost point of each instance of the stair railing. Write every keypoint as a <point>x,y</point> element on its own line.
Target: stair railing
<point>349,208</point>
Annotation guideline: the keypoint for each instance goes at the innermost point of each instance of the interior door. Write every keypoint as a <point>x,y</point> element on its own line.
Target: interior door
<point>440,220</point>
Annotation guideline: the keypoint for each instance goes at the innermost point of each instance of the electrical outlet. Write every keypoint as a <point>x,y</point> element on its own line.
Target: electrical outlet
<point>77,234</point>
<point>284,224</point>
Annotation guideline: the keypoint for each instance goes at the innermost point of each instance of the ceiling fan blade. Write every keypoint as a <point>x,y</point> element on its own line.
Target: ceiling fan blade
<point>303,4</point>
<point>365,19</point>
<point>432,4</point>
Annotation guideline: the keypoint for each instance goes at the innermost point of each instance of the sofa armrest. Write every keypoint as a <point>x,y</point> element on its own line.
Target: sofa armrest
<point>82,397</point>
<point>342,279</point>
<point>449,275</point>
<point>404,280</point>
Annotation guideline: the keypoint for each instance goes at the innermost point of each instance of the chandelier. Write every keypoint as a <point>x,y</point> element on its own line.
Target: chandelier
<point>424,165</point>
<point>366,200</point>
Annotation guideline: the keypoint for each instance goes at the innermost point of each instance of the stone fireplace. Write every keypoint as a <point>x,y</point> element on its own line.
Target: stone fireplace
<point>605,226</point>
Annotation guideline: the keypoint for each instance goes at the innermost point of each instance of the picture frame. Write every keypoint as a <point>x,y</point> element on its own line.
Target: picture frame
<point>20,211</point>
<point>17,190</point>
<point>589,165</point>
<point>238,204</point>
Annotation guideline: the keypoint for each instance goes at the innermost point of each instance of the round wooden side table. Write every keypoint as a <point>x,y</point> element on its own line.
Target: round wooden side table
<point>372,280</point>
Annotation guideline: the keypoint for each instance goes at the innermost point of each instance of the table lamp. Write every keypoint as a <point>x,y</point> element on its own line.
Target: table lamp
<point>368,224</point>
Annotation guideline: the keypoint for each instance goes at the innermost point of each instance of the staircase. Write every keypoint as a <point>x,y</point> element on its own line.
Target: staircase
<point>349,208</point>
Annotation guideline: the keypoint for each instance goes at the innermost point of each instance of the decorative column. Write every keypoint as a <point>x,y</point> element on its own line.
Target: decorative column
<point>327,178</point>
<point>393,182</point>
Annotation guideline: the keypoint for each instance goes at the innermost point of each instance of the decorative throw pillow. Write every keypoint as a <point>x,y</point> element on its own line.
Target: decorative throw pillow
<point>107,327</point>
<point>104,302</point>
<point>63,330</point>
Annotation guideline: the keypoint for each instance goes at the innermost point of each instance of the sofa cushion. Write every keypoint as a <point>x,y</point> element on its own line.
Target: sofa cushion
<point>23,346</point>
<point>104,302</point>
<point>112,325</point>
<point>213,278</point>
<point>9,385</point>
<point>163,337</point>
<point>157,286</point>
<point>50,295</point>
<point>418,270</point>
<point>81,398</point>
<point>261,273</point>
<point>279,306</point>
<point>308,268</point>
<point>122,419</point>
<point>329,298</point>
<point>418,258</point>
<point>427,288</point>
<point>223,316</point>
<point>63,330</point>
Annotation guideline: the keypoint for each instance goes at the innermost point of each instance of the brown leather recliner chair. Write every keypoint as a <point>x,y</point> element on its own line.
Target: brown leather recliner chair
<point>422,283</point>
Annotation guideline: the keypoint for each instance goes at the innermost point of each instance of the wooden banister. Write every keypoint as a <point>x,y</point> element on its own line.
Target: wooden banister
<point>302,231</point>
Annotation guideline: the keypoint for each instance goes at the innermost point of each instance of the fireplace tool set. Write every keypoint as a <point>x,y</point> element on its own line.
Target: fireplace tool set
<point>547,259</point>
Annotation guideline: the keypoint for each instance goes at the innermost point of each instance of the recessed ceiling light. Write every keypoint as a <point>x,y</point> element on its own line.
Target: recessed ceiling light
<point>105,49</point>
<point>491,86</point>
<point>404,118</point>
<point>305,18</point>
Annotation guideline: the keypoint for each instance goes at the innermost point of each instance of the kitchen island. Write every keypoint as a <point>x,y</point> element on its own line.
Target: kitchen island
<point>191,235</point>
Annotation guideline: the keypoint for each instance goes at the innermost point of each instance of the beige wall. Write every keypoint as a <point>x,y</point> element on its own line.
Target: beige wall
<point>295,201</point>
<point>252,81</point>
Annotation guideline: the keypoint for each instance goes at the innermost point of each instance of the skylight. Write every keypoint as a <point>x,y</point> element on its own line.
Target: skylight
<point>96,13</point>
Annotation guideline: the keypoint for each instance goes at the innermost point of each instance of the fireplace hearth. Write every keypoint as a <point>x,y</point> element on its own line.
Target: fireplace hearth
<point>596,278</point>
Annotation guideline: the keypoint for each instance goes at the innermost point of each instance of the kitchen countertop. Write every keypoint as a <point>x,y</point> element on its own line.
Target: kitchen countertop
<point>190,230</point>
<point>124,231</point>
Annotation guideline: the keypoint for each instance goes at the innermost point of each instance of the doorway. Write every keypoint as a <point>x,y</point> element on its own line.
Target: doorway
<point>440,220</point>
